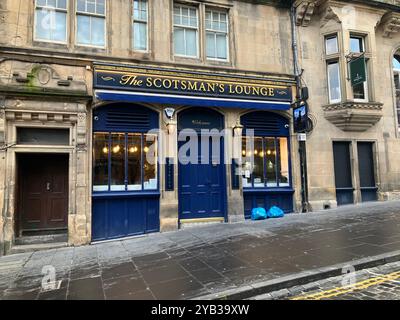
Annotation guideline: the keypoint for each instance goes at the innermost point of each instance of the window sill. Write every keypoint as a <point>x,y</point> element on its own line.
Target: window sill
<point>125,194</point>
<point>353,116</point>
<point>269,190</point>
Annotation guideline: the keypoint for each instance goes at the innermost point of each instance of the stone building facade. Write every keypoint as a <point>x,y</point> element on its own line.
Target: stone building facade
<point>82,83</point>
<point>352,124</point>
<point>56,59</point>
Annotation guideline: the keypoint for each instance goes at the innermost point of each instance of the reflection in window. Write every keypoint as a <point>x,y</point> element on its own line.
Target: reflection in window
<point>134,162</point>
<point>258,169</point>
<point>150,162</point>
<point>270,151</point>
<point>331,45</point>
<point>396,71</point>
<point>91,22</point>
<point>217,34</point>
<point>100,160</point>
<point>283,171</point>
<point>247,161</point>
<point>133,165</point>
<point>265,162</point>
<point>140,24</point>
<point>185,31</point>
<point>117,162</point>
<point>334,82</point>
<point>51,20</point>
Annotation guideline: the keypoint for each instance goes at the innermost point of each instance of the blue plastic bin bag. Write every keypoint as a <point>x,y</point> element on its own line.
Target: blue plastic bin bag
<point>258,214</point>
<point>275,212</point>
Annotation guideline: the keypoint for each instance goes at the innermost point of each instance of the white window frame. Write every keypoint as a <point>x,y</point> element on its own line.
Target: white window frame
<point>365,84</point>
<point>90,14</point>
<point>329,82</point>
<point>216,32</point>
<point>332,36</point>
<point>35,38</point>
<point>187,27</point>
<point>141,22</point>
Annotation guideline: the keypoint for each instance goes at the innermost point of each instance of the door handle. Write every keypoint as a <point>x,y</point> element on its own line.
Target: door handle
<point>48,185</point>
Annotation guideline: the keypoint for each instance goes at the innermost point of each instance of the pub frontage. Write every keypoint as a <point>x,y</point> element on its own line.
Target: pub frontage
<point>176,146</point>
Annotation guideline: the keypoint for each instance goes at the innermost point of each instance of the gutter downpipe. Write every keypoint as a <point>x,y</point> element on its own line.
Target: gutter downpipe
<point>305,206</point>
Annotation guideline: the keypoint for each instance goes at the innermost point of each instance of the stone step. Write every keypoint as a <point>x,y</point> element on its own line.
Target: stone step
<point>42,239</point>
<point>37,247</point>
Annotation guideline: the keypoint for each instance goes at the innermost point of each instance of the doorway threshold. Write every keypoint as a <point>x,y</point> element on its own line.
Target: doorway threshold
<point>37,247</point>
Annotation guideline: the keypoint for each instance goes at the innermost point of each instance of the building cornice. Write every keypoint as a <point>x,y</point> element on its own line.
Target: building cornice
<point>39,56</point>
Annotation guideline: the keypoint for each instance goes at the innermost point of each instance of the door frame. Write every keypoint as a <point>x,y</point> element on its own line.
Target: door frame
<point>223,167</point>
<point>19,189</point>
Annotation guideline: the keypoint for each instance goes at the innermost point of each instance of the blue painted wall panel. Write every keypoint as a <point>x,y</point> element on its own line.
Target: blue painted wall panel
<point>118,217</point>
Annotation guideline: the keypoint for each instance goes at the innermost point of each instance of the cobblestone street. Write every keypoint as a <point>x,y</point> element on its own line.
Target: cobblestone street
<point>379,283</point>
<point>204,261</point>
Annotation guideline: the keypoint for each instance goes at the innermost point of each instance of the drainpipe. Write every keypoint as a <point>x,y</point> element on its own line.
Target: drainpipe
<point>305,206</point>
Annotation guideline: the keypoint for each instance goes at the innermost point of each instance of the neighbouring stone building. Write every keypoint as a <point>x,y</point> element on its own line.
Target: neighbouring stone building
<point>352,153</point>
<point>89,89</point>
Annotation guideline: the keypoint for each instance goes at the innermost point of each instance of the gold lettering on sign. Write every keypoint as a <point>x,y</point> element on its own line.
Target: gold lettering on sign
<point>230,88</point>
<point>131,81</point>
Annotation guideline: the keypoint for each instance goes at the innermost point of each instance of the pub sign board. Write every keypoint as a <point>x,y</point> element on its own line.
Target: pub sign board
<point>358,72</point>
<point>178,82</point>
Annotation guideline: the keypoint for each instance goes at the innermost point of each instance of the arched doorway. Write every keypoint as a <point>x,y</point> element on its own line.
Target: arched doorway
<point>201,168</point>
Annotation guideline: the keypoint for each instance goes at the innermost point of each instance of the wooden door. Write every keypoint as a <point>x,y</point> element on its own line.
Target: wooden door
<point>44,192</point>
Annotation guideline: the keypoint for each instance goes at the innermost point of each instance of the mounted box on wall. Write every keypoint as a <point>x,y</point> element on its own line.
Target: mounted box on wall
<point>169,174</point>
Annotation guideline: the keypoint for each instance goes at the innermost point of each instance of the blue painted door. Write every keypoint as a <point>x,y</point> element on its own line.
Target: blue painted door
<point>202,184</point>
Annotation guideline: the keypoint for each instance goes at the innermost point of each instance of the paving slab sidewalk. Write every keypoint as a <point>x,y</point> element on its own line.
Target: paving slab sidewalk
<point>213,261</point>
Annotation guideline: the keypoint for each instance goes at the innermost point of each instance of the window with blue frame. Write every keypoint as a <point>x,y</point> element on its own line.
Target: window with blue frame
<point>125,162</point>
<point>266,162</point>
<point>265,151</point>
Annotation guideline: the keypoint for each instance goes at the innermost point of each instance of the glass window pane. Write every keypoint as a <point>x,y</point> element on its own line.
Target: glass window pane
<point>81,5</point>
<point>270,154</point>
<point>41,3</point>
<point>258,168</point>
<point>396,63</point>
<point>150,181</point>
<point>221,47</point>
<point>98,31</point>
<point>83,27</point>
<point>283,162</point>
<point>191,42</point>
<point>210,45</point>
<point>62,4</point>
<point>100,7</point>
<point>179,41</point>
<point>359,91</point>
<point>247,145</point>
<point>42,26</point>
<point>60,31</point>
<point>100,160</point>
<point>140,36</point>
<point>51,3</point>
<point>134,162</point>
<point>356,44</point>
<point>90,7</point>
<point>334,82</point>
<point>117,162</point>
<point>331,45</point>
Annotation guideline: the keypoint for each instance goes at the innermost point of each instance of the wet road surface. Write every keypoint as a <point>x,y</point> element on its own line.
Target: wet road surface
<point>198,261</point>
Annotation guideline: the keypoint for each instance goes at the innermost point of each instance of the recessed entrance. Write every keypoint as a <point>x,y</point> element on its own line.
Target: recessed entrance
<point>43,194</point>
<point>202,183</point>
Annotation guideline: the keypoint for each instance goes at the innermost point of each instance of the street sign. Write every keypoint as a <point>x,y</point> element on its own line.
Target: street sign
<point>358,72</point>
<point>301,137</point>
<point>300,117</point>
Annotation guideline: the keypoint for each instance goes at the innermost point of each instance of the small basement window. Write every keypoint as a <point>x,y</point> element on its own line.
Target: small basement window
<point>39,136</point>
